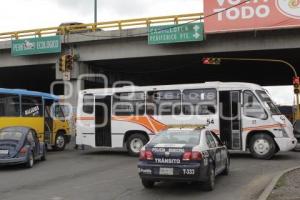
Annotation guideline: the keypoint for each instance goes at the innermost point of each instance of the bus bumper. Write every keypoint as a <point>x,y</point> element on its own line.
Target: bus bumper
<point>286,144</point>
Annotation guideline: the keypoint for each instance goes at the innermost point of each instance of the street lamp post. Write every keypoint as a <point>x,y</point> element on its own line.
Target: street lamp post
<point>95,11</point>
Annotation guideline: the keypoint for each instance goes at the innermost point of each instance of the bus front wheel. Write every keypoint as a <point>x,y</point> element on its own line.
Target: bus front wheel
<point>60,142</point>
<point>134,144</point>
<point>262,146</point>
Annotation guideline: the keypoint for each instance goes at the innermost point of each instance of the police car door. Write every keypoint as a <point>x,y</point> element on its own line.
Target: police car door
<point>215,152</point>
<point>222,148</point>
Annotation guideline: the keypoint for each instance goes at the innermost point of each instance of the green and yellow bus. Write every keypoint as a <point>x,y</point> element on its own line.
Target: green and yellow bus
<point>37,110</point>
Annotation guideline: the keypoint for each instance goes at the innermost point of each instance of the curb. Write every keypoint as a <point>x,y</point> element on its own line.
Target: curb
<point>268,190</point>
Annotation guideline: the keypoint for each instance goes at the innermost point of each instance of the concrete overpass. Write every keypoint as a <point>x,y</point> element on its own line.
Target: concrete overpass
<point>132,44</point>
<point>126,55</point>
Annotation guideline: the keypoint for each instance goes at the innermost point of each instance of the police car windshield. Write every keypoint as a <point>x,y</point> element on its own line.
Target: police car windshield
<point>177,137</point>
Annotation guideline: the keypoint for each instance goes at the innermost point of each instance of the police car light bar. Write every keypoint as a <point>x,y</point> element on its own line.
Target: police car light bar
<point>186,126</point>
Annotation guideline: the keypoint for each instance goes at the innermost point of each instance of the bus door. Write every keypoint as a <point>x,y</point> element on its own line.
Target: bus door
<point>230,119</point>
<point>48,121</point>
<point>103,121</point>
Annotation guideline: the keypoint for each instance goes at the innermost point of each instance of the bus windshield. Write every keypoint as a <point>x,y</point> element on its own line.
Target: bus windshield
<point>264,97</point>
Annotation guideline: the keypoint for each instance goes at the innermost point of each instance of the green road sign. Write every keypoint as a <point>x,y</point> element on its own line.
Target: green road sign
<point>176,33</point>
<point>32,46</point>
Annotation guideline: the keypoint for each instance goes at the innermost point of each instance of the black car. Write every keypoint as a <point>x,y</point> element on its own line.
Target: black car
<point>20,145</point>
<point>297,130</point>
<point>188,155</point>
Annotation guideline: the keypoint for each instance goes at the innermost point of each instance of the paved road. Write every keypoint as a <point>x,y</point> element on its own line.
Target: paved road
<point>101,175</point>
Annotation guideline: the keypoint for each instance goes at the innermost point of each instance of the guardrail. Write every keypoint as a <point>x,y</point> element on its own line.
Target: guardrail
<point>110,25</point>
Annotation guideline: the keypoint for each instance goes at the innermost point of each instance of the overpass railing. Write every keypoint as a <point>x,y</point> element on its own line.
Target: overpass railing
<point>110,25</point>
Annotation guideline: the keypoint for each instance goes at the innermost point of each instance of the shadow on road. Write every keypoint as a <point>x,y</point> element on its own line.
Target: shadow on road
<point>242,155</point>
<point>285,156</point>
<point>181,190</point>
<point>12,168</point>
<point>280,156</point>
<point>19,167</point>
<point>177,189</point>
<point>110,152</point>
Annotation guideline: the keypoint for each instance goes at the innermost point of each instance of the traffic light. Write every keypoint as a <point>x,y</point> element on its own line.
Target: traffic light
<point>211,61</point>
<point>62,63</point>
<point>296,83</point>
<point>69,62</point>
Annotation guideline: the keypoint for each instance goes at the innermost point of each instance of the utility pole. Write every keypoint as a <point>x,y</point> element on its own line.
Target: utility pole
<point>95,11</point>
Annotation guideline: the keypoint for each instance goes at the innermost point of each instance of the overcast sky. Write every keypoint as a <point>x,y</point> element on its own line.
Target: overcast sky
<point>282,95</point>
<point>29,14</point>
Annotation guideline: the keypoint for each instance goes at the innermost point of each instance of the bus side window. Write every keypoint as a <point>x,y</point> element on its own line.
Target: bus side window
<point>252,107</point>
<point>31,106</point>
<point>164,102</point>
<point>129,103</point>
<point>9,105</point>
<point>199,101</point>
<point>88,103</point>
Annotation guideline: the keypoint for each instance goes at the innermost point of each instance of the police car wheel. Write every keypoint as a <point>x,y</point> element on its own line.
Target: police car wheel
<point>134,144</point>
<point>147,183</point>
<point>227,166</point>
<point>262,146</point>
<point>209,185</point>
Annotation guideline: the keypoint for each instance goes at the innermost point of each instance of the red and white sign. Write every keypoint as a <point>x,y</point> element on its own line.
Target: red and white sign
<point>252,15</point>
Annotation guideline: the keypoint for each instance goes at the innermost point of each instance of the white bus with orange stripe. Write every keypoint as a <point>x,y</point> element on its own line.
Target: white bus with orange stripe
<point>242,114</point>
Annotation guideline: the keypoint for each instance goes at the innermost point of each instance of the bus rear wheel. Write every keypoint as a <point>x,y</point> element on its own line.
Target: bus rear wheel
<point>60,142</point>
<point>262,146</point>
<point>134,144</point>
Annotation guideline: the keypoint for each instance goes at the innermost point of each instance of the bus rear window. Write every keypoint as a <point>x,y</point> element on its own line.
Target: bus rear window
<point>9,105</point>
<point>88,103</point>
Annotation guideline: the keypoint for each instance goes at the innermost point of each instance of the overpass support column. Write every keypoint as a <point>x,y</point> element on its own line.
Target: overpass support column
<point>72,85</point>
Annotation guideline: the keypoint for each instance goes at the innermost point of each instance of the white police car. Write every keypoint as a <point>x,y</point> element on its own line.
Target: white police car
<point>183,154</point>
